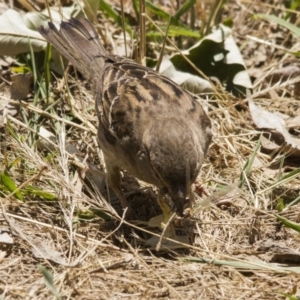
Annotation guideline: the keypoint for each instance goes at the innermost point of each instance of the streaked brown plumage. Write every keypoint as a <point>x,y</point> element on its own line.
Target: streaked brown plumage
<point>148,124</point>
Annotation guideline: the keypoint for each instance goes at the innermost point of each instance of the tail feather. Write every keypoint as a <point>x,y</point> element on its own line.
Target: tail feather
<point>78,41</point>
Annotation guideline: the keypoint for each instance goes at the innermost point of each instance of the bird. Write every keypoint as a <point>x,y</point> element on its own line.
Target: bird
<point>148,125</point>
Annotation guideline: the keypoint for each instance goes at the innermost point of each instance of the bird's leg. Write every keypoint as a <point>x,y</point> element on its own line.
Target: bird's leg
<point>167,214</point>
<point>114,182</point>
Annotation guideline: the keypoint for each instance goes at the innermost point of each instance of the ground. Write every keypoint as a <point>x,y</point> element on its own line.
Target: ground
<point>63,238</point>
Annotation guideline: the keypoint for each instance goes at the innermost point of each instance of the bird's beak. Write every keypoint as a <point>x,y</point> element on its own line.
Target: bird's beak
<point>179,198</point>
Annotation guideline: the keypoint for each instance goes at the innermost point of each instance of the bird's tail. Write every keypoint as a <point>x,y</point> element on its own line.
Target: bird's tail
<point>78,41</point>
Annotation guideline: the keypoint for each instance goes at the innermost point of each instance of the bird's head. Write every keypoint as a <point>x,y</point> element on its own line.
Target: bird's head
<point>176,155</point>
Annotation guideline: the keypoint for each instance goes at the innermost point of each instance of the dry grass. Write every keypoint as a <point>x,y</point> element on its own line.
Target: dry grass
<point>94,254</point>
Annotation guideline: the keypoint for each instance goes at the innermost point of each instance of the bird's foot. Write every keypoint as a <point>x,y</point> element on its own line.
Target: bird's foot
<point>168,232</point>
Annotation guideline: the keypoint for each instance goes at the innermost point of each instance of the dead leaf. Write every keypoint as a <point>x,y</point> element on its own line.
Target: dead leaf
<point>278,134</point>
<point>293,122</point>
<point>278,252</point>
<point>40,248</point>
<point>16,37</point>
<point>2,255</point>
<point>268,144</point>
<point>5,237</point>
<point>223,60</point>
<point>20,86</point>
<point>190,82</point>
<point>264,119</point>
<point>6,108</point>
<point>43,249</point>
<point>273,142</point>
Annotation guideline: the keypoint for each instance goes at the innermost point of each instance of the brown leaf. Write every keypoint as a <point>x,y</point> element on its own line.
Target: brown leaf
<point>5,107</point>
<point>5,237</point>
<point>293,122</point>
<point>276,126</point>
<point>20,86</point>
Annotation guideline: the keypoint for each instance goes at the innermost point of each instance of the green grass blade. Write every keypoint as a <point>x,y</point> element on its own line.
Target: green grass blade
<point>8,182</point>
<point>175,31</point>
<point>47,72</point>
<point>248,165</point>
<point>290,224</point>
<point>136,10</point>
<point>243,265</point>
<point>157,11</point>
<point>31,190</point>
<point>286,24</point>
<point>294,202</point>
<point>291,174</point>
<point>283,180</point>
<point>49,281</point>
<point>113,14</point>
<point>105,7</point>
<point>184,8</point>
<point>162,14</point>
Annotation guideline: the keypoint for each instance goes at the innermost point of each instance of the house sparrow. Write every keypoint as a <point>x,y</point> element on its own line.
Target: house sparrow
<point>148,125</point>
